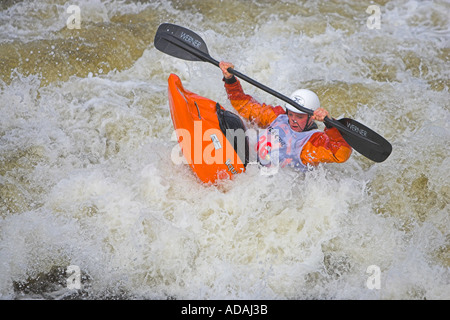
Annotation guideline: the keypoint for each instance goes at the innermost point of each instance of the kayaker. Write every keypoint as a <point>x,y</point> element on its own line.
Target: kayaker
<point>290,136</point>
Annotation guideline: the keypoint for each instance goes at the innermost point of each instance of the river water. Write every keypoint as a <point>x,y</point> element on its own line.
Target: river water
<point>92,207</point>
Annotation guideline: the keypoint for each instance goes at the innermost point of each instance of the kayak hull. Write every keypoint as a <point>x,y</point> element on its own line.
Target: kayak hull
<point>212,139</point>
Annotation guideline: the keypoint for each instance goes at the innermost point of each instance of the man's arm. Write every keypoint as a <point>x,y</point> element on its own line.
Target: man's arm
<point>248,107</point>
<point>327,146</point>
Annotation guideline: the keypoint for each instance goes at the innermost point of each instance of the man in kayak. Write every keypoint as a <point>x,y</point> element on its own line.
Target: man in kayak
<point>290,136</point>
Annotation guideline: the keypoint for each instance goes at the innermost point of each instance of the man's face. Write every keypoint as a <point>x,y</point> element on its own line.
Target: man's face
<point>297,121</point>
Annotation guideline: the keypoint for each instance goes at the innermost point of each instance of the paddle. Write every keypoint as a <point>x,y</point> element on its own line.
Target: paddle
<point>185,44</point>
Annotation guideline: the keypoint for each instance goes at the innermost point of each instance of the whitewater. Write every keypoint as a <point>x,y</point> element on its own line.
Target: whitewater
<point>93,207</point>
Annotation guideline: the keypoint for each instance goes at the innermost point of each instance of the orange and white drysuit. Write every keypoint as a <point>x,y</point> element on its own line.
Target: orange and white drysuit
<point>279,144</point>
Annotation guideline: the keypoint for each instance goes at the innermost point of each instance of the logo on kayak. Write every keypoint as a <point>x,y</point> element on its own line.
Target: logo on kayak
<point>230,167</point>
<point>189,39</point>
<point>216,142</point>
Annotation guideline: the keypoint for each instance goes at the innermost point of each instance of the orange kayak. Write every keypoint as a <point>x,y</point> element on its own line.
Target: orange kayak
<point>212,139</point>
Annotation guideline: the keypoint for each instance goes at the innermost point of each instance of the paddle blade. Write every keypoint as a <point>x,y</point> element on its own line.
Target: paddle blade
<point>377,151</point>
<point>180,42</point>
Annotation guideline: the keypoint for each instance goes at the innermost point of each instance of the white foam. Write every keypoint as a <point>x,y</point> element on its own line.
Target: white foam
<point>88,179</point>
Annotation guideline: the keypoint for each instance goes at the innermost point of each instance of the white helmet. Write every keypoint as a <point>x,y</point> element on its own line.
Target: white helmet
<point>304,97</point>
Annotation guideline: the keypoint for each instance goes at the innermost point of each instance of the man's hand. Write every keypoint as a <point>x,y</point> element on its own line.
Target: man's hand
<point>320,114</point>
<point>224,66</point>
